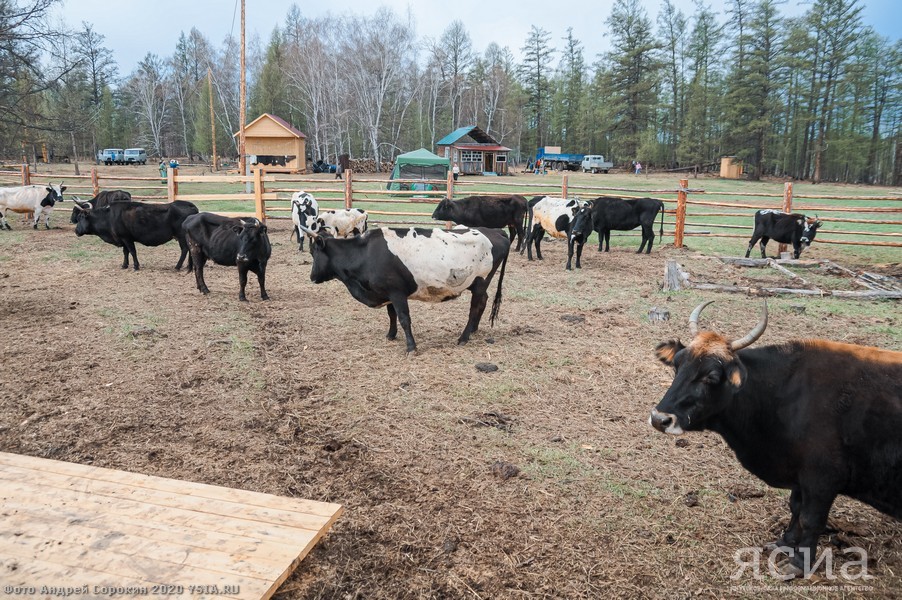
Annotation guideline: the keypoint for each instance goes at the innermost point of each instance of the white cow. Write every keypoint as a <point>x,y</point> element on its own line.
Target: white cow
<point>304,214</point>
<point>37,199</point>
<point>343,223</point>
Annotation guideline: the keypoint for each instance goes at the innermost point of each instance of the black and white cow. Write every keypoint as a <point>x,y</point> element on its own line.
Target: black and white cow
<point>786,228</point>
<point>99,201</point>
<point>625,214</point>
<point>124,224</point>
<point>304,215</point>
<point>387,267</point>
<point>578,231</point>
<point>553,215</point>
<point>229,242</point>
<point>486,211</point>
<point>30,199</point>
<point>343,223</point>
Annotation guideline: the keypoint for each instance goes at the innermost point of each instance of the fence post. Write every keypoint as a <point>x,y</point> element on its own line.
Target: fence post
<point>787,208</point>
<point>564,186</point>
<point>259,203</point>
<point>26,174</point>
<point>450,193</point>
<point>680,214</point>
<point>172,186</point>
<point>349,189</point>
<point>95,182</point>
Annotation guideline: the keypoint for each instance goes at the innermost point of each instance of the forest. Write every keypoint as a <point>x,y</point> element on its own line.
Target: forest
<point>815,97</point>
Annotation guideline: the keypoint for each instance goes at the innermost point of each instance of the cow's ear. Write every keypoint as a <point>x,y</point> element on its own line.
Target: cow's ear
<point>62,189</point>
<point>736,374</point>
<point>236,228</point>
<point>666,351</point>
<point>50,189</point>
<point>263,229</point>
<point>319,242</point>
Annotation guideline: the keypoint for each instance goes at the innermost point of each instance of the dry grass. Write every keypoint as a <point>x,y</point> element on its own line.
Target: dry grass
<point>304,396</point>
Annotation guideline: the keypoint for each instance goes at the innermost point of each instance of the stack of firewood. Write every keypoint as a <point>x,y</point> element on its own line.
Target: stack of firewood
<point>368,165</point>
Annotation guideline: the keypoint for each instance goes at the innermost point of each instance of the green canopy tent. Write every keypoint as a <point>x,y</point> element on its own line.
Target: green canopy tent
<point>419,164</point>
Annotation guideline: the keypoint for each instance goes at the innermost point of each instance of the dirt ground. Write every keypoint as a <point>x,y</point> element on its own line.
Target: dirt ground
<point>303,396</point>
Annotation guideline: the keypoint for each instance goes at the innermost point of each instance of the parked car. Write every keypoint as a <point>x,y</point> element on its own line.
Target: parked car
<point>321,166</point>
<point>109,156</point>
<point>596,163</point>
<point>135,156</point>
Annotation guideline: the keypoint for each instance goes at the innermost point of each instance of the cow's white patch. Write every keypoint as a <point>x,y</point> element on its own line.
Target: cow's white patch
<point>443,264</point>
<point>343,223</point>
<point>547,211</point>
<point>771,211</point>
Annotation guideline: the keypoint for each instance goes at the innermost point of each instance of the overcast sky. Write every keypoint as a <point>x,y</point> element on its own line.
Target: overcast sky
<point>134,28</point>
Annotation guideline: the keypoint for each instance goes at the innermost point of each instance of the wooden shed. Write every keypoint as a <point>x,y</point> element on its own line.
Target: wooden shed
<point>474,151</point>
<point>275,145</point>
<point>730,167</point>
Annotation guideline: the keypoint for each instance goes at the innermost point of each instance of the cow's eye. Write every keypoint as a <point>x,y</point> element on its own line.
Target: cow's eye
<point>711,378</point>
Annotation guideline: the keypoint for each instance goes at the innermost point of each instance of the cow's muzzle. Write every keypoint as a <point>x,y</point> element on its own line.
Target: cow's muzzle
<point>665,422</point>
<point>242,258</point>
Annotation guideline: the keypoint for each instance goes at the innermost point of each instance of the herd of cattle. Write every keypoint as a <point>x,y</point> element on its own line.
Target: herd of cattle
<point>816,417</point>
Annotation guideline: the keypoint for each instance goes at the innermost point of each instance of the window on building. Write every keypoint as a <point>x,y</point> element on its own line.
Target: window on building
<point>470,156</point>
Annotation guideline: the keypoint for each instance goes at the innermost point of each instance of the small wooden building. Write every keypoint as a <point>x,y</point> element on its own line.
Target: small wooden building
<point>275,145</point>
<point>474,152</point>
<point>730,167</point>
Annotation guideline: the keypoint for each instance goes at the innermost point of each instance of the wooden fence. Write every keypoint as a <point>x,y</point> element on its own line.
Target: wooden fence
<point>267,195</point>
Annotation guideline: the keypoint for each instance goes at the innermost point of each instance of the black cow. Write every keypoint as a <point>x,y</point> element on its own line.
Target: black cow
<point>100,200</point>
<point>624,214</point>
<point>486,211</point>
<point>123,224</point>
<point>578,231</point>
<point>818,418</point>
<point>786,228</point>
<point>386,267</point>
<point>229,242</point>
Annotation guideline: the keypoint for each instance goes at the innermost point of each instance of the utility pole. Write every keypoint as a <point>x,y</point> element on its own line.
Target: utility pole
<point>242,104</point>
<point>212,118</point>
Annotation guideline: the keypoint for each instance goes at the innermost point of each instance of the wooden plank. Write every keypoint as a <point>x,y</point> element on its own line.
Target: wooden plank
<point>79,525</point>
<point>171,485</point>
<point>220,508</point>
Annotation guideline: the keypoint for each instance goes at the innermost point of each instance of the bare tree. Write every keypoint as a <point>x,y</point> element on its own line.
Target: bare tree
<point>150,93</point>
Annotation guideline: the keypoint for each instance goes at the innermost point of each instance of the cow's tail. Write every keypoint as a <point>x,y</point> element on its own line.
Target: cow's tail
<point>661,232</point>
<point>528,218</point>
<point>496,303</point>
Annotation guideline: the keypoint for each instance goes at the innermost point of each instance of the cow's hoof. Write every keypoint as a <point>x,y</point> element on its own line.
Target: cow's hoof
<point>137,268</point>
<point>124,266</point>
<point>462,341</point>
<point>788,571</point>
<point>264,296</point>
<point>242,298</point>
<point>568,268</point>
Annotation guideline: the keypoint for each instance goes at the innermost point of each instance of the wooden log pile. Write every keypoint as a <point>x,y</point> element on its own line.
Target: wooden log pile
<point>368,165</point>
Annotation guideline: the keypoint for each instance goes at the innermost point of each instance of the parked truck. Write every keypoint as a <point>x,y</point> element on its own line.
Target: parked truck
<point>552,158</point>
<point>594,163</point>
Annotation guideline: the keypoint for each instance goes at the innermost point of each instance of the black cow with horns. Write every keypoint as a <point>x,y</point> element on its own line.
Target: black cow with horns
<point>124,224</point>
<point>102,199</point>
<point>785,228</point>
<point>230,242</point>
<point>816,417</point>
<point>387,267</point>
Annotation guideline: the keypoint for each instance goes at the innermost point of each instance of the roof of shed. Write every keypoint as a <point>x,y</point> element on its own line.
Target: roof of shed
<point>278,121</point>
<point>473,131</point>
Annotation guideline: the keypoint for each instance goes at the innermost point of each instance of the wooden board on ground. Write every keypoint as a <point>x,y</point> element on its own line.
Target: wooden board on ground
<point>101,532</point>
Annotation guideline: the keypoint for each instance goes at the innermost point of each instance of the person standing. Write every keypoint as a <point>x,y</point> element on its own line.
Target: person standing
<point>638,168</point>
<point>455,172</point>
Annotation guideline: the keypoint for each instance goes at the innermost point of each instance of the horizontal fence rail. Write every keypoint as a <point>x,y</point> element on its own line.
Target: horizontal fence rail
<point>411,201</point>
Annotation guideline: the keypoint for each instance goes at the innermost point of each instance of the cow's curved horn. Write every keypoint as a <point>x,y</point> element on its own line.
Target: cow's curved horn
<point>308,231</point>
<point>754,334</point>
<point>693,318</point>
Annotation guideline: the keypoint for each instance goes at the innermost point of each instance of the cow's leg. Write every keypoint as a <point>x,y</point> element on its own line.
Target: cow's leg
<point>813,512</point>
<point>752,243</point>
<point>183,246</point>
<point>130,246</point>
<point>261,279</point>
<point>300,238</point>
<point>392,322</point>
<point>600,239</point>
<point>764,240</point>
<point>124,256</point>
<point>579,253</point>
<point>480,298</point>
<point>537,234</point>
<point>648,235</point>
<point>529,238</point>
<point>46,220</point>
<point>199,261</point>
<point>35,217</point>
<point>790,537</point>
<point>242,281</point>
<point>403,312</point>
<point>520,234</point>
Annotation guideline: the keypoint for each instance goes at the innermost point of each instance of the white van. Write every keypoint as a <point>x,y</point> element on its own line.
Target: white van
<point>595,163</point>
<point>135,156</point>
